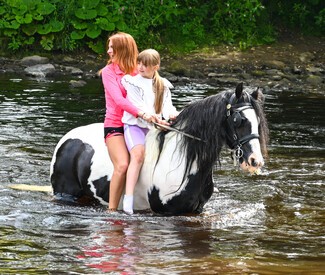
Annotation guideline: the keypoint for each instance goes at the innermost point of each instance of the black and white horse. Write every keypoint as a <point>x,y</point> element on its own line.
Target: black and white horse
<point>176,177</point>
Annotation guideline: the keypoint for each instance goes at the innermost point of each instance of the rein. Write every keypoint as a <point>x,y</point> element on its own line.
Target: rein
<point>166,127</point>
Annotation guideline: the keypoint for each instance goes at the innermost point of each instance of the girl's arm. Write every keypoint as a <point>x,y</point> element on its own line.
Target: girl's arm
<point>112,87</point>
<point>135,96</point>
<point>169,109</point>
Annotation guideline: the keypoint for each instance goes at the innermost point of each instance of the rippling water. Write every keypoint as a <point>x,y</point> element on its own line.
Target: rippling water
<point>270,224</point>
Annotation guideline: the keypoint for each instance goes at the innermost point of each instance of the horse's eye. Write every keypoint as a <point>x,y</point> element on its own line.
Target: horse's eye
<point>237,119</point>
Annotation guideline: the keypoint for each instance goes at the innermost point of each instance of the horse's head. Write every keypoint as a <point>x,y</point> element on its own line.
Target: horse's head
<point>246,129</point>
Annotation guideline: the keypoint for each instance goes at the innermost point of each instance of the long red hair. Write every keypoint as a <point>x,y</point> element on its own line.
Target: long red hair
<point>125,52</point>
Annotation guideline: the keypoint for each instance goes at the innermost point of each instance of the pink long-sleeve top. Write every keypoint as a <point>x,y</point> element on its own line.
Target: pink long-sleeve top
<point>115,96</point>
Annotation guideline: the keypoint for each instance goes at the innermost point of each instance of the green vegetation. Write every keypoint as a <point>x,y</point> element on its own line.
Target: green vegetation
<point>176,25</point>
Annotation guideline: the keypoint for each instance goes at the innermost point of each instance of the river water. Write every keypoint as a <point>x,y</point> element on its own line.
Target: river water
<point>268,224</point>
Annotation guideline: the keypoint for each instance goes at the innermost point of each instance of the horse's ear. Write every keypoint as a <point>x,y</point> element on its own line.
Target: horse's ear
<point>258,95</point>
<point>239,90</point>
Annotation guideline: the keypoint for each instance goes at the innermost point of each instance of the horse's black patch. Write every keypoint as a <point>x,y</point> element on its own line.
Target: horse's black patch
<point>102,188</point>
<point>72,169</point>
<point>190,200</point>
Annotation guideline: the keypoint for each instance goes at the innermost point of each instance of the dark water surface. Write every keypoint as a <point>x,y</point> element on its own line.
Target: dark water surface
<point>268,224</point>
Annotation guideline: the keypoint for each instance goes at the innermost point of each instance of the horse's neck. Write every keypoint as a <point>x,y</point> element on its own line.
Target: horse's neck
<point>170,158</point>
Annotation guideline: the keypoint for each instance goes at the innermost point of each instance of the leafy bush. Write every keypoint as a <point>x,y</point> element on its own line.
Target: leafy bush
<point>183,25</point>
<point>305,16</point>
<point>22,21</point>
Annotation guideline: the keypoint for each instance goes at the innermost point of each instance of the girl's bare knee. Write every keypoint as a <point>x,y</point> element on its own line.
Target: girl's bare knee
<point>138,156</point>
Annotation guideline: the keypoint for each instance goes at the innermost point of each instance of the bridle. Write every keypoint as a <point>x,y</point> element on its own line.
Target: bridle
<point>234,119</point>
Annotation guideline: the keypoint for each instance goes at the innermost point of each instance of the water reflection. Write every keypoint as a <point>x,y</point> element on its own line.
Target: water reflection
<point>269,224</point>
<point>152,246</point>
<point>114,249</point>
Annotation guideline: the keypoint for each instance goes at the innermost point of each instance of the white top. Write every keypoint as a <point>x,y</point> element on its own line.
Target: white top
<point>140,93</point>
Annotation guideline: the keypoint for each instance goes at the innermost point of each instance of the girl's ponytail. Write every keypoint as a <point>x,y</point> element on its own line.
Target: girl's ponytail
<point>158,86</point>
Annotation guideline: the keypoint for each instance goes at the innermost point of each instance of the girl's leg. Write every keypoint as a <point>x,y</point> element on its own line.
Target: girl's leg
<point>137,158</point>
<point>120,157</point>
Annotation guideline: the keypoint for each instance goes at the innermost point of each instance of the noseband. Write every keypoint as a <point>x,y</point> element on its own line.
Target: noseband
<point>234,119</point>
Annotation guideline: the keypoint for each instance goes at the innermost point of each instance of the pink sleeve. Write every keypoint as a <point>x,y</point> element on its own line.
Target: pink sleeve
<point>112,85</point>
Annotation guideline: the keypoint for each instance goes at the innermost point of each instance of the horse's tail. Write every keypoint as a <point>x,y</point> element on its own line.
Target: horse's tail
<point>28,187</point>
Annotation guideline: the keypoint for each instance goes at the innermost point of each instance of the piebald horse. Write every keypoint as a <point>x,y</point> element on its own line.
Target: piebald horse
<point>177,175</point>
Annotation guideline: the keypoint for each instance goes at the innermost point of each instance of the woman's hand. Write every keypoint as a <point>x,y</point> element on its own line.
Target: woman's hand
<point>147,117</point>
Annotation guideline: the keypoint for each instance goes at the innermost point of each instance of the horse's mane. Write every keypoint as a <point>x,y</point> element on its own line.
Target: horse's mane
<point>206,119</point>
<point>202,119</point>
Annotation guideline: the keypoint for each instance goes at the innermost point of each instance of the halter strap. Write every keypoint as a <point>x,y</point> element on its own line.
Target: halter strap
<point>247,138</point>
<point>234,107</point>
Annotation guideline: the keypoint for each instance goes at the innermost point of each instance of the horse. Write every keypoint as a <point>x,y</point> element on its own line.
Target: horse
<point>177,174</point>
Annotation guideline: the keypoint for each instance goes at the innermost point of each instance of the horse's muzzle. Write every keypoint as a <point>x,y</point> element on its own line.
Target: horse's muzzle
<point>253,164</point>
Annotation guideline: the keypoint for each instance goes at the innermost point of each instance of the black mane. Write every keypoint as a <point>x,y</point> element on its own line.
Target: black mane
<point>206,119</point>
<point>203,119</point>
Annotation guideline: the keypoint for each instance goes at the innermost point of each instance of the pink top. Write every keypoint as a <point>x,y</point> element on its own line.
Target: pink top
<point>115,96</point>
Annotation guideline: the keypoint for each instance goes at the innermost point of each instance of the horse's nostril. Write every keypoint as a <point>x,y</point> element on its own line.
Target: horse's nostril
<point>254,163</point>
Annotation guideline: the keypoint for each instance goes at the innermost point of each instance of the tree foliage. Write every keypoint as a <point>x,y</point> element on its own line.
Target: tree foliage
<point>68,25</point>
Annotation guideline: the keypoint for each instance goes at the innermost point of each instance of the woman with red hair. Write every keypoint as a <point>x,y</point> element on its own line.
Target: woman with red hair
<point>123,53</point>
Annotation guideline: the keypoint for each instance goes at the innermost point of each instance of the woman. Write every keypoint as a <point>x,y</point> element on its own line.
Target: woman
<point>123,53</point>
<point>149,92</point>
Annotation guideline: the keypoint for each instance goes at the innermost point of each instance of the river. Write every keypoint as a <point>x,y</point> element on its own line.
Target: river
<point>273,223</point>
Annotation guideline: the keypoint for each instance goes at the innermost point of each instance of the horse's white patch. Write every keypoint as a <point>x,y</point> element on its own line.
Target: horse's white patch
<point>255,144</point>
<point>167,174</point>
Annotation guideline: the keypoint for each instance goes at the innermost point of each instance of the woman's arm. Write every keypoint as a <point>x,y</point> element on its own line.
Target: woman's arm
<point>112,87</point>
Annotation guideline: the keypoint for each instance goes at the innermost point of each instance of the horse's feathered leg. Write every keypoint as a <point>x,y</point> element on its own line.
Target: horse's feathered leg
<point>198,190</point>
<point>206,194</point>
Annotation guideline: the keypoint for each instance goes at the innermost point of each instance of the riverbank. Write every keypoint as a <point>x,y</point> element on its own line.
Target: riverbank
<point>296,63</point>
<point>292,63</point>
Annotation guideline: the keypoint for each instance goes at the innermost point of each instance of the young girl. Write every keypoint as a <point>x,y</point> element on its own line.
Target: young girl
<point>150,93</point>
<point>123,52</point>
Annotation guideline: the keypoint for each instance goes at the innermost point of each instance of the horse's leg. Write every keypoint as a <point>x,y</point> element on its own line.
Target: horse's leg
<point>189,201</point>
<point>205,194</point>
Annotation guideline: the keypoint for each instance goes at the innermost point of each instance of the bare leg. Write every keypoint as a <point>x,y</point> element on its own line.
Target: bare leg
<point>120,157</point>
<point>137,158</point>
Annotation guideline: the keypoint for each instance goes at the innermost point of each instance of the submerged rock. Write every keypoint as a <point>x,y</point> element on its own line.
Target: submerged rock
<point>314,80</point>
<point>40,70</point>
<point>77,83</point>
<point>34,60</point>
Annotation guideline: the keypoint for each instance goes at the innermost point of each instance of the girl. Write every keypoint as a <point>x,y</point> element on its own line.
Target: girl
<point>150,93</point>
<point>123,52</point>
